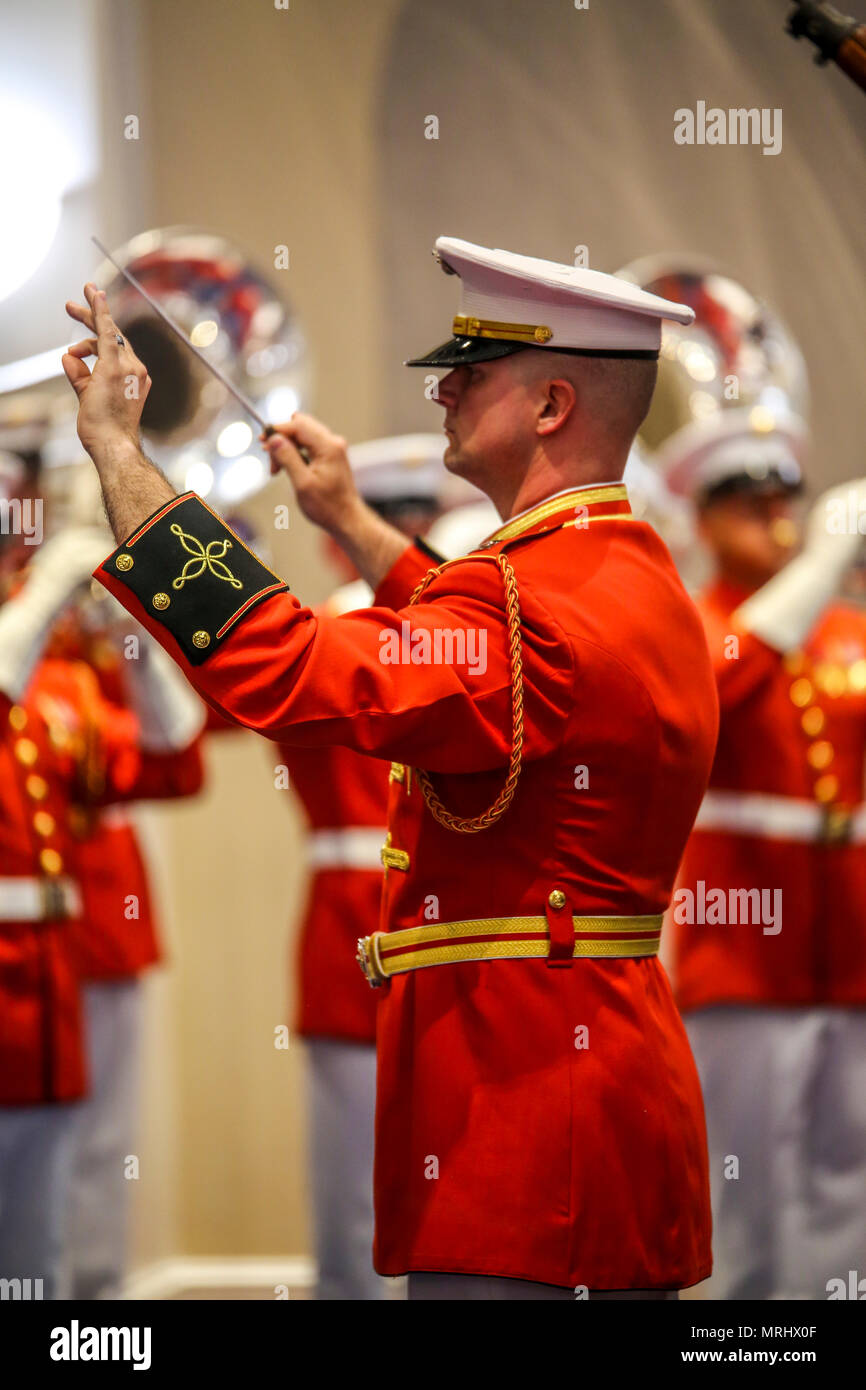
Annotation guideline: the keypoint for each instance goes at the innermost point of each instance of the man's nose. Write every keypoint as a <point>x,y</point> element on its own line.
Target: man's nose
<point>449,388</point>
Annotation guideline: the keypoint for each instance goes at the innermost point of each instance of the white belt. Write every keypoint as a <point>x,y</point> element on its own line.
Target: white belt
<point>354,847</point>
<point>780,818</point>
<point>36,899</point>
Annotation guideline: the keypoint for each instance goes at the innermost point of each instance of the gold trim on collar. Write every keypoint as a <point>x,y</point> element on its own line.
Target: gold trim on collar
<point>467,327</point>
<point>582,497</point>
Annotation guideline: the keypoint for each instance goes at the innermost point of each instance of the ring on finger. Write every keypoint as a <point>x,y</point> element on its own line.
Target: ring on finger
<point>120,340</point>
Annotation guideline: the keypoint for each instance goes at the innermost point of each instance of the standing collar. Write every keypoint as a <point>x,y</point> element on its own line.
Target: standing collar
<point>588,502</point>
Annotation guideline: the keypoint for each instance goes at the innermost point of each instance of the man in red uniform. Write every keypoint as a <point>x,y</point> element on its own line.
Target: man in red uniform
<point>345,798</point>
<point>769,911</point>
<point>539,1123</point>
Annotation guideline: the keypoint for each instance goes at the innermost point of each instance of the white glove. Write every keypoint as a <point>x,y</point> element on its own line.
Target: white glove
<point>785,610</point>
<point>57,569</point>
<point>170,713</point>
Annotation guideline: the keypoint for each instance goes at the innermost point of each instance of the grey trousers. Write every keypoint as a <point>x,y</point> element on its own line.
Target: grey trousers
<point>342,1094</point>
<point>785,1097</point>
<point>475,1287</point>
<point>35,1168</point>
<point>103,1140</point>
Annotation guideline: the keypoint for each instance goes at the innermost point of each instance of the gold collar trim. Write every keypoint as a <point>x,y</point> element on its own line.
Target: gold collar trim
<point>566,501</point>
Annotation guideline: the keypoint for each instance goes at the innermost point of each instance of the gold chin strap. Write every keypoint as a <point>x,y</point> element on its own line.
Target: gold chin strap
<point>466,327</point>
<point>470,825</point>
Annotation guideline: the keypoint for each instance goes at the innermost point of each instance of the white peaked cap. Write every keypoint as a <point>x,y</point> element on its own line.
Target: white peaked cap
<point>519,301</point>
<point>751,442</point>
<point>399,466</point>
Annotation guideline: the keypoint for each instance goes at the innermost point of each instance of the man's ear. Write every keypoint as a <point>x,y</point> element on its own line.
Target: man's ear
<point>560,400</point>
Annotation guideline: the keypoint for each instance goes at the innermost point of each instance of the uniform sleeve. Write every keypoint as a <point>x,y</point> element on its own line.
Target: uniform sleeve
<point>166,776</point>
<point>110,763</point>
<point>429,685</point>
<point>405,574</point>
<point>742,663</point>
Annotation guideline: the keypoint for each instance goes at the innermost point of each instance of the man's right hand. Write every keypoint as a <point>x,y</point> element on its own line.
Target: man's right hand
<point>327,495</point>
<point>324,486</point>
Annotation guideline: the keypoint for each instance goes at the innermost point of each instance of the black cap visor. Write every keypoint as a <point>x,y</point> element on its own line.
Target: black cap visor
<point>774,483</point>
<point>462,352</point>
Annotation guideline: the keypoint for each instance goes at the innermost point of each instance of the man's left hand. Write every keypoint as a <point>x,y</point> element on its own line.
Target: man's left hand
<point>110,397</point>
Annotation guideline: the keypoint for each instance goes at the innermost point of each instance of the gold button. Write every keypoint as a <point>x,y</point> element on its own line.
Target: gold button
<point>43,823</point>
<point>36,786</point>
<point>18,718</point>
<point>201,639</point>
<point>827,787</point>
<point>50,861</point>
<point>812,720</point>
<point>60,738</point>
<point>785,532</point>
<point>124,562</point>
<point>820,754</point>
<point>794,663</point>
<point>26,751</point>
<point>557,898</point>
<point>801,692</point>
<point>160,601</point>
<point>832,679</point>
<point>857,675</point>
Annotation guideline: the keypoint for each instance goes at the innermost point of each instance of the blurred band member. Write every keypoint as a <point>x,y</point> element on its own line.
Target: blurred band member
<point>770,910</point>
<point>117,940</point>
<point>66,751</point>
<point>345,796</point>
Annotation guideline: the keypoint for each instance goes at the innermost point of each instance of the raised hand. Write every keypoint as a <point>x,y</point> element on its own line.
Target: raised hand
<point>111,396</point>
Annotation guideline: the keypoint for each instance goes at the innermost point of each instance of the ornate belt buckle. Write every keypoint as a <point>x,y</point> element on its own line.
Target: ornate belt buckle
<point>836,823</point>
<point>368,959</point>
<point>54,903</point>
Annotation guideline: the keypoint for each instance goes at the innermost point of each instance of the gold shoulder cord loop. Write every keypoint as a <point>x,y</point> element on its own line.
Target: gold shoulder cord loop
<point>472,824</point>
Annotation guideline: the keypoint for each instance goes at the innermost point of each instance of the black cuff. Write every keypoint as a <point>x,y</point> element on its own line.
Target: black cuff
<point>192,574</point>
<point>428,550</point>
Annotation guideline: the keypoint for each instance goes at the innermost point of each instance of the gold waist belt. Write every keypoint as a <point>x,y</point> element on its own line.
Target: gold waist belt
<point>502,938</point>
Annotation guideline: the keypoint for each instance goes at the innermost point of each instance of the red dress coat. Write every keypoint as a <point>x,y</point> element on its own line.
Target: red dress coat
<point>118,938</point>
<point>62,744</point>
<point>789,768</point>
<point>536,1118</point>
<point>345,799</point>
